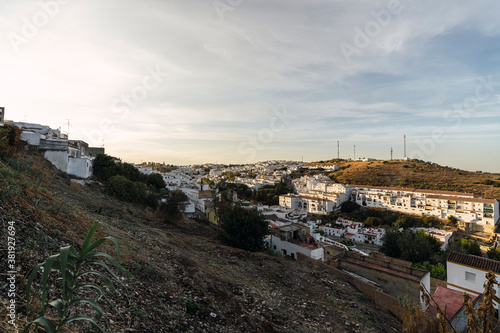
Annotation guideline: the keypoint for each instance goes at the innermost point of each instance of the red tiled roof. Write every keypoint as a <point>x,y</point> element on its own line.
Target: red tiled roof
<point>448,300</point>
<point>442,197</point>
<point>474,261</point>
<point>458,194</point>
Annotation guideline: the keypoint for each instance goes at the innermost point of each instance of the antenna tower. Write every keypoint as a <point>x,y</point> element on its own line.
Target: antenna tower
<point>405,146</point>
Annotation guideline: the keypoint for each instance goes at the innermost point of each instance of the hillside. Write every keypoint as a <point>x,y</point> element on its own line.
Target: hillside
<point>226,289</point>
<point>416,174</point>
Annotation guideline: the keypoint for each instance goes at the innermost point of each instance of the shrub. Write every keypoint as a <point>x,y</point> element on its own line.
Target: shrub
<point>192,307</point>
<point>10,140</point>
<point>71,266</point>
<point>171,211</point>
<point>493,253</point>
<point>438,271</point>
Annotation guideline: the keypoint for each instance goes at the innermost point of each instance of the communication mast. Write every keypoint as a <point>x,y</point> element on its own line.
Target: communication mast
<point>405,146</point>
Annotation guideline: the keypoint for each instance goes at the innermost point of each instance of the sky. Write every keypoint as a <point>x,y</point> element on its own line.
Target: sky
<point>239,81</point>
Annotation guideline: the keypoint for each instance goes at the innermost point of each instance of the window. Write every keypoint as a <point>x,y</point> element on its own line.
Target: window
<point>470,277</point>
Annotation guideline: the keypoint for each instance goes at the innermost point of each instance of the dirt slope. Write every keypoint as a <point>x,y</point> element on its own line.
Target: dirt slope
<point>227,290</point>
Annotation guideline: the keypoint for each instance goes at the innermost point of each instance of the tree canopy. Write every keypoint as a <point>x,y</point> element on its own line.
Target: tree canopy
<point>243,228</point>
<point>126,182</point>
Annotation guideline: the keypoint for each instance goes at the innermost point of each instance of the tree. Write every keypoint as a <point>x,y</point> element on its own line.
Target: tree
<point>349,206</point>
<point>156,180</point>
<point>438,271</point>
<point>375,221</point>
<point>171,210</point>
<point>416,248</point>
<point>452,220</point>
<point>103,167</point>
<point>466,246</point>
<point>243,228</point>
<point>390,246</point>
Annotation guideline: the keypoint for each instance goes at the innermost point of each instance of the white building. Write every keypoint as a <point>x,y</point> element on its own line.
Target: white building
<point>441,235</point>
<point>319,197</point>
<point>473,213</point>
<point>369,236</point>
<point>467,273</point>
<point>292,240</point>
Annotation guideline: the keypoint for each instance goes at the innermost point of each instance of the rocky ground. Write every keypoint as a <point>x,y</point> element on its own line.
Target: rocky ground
<point>185,281</point>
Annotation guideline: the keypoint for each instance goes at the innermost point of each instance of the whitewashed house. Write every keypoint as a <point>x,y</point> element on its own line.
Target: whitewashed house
<point>467,273</point>
<point>291,239</point>
<point>473,213</point>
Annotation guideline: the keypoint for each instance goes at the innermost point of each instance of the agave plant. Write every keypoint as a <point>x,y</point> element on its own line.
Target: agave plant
<point>71,266</point>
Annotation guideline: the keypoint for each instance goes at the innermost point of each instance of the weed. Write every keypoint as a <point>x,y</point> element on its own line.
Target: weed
<point>330,298</point>
<point>192,307</point>
<point>71,266</point>
<point>361,296</point>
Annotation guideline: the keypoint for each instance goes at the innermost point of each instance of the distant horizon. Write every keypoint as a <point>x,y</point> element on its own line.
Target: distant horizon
<point>156,160</point>
<point>194,82</point>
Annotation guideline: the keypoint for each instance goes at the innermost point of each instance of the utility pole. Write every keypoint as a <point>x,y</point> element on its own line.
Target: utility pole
<point>338,150</point>
<point>391,153</point>
<point>68,127</point>
<point>405,146</point>
<point>354,152</point>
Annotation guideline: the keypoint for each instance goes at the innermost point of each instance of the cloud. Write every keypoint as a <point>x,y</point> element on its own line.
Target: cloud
<point>222,78</point>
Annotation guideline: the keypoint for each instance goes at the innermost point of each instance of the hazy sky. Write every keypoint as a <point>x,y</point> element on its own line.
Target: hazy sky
<point>237,81</point>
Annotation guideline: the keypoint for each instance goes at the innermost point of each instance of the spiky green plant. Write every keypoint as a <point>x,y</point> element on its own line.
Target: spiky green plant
<point>71,266</point>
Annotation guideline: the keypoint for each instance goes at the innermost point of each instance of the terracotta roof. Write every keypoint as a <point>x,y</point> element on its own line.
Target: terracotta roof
<point>442,197</point>
<point>385,188</point>
<point>457,194</point>
<point>474,261</point>
<point>448,300</point>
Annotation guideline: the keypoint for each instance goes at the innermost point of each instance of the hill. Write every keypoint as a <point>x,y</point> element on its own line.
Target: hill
<point>185,281</point>
<point>416,174</point>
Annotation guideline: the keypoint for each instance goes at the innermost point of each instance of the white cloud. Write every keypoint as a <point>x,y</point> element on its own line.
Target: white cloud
<point>223,78</point>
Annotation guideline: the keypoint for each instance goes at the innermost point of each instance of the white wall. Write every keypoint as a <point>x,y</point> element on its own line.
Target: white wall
<point>59,159</point>
<point>456,278</point>
<point>80,167</point>
<point>291,248</point>
<point>31,138</point>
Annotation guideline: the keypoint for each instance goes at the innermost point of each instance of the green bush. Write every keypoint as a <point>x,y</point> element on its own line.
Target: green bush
<point>71,266</point>
<point>192,307</point>
<point>438,271</point>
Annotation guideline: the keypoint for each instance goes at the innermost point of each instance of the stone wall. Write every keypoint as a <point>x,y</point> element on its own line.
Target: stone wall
<point>371,292</point>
